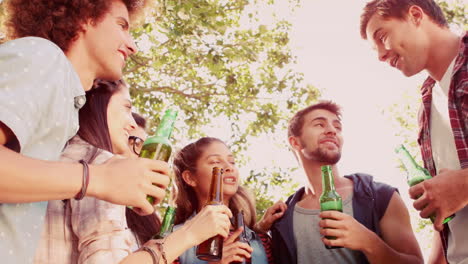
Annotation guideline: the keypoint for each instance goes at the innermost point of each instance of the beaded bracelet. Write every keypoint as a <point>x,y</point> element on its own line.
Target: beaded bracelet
<point>82,193</point>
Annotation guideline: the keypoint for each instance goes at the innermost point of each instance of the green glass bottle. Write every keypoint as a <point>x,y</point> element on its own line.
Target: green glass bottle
<point>415,173</point>
<point>212,248</point>
<point>168,223</point>
<point>330,200</point>
<point>158,147</point>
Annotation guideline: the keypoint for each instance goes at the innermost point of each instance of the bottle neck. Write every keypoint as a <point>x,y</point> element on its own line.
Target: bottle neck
<point>216,188</point>
<point>165,128</point>
<point>168,222</point>
<point>328,183</point>
<point>408,162</point>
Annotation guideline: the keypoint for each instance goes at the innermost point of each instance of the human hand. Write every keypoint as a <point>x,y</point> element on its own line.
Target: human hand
<point>211,221</point>
<point>442,196</point>
<point>272,214</point>
<point>129,181</point>
<point>233,250</point>
<point>348,231</point>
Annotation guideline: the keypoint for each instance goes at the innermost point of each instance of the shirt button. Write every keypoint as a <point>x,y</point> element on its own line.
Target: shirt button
<point>80,101</point>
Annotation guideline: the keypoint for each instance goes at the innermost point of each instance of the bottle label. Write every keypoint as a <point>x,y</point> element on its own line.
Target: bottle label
<point>332,206</point>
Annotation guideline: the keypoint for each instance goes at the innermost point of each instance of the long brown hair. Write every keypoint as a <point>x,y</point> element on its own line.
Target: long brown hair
<point>94,130</point>
<point>187,201</point>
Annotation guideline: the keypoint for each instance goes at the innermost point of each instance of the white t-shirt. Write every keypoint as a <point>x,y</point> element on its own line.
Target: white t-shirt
<point>40,95</point>
<point>445,155</point>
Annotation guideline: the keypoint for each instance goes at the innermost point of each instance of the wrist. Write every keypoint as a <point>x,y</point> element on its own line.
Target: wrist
<point>187,236</point>
<point>93,185</point>
<point>258,227</point>
<point>370,243</point>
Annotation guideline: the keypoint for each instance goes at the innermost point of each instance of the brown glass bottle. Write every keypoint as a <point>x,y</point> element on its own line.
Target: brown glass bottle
<point>212,248</point>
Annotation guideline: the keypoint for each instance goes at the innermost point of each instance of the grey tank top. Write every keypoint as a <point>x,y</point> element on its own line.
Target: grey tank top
<point>310,248</point>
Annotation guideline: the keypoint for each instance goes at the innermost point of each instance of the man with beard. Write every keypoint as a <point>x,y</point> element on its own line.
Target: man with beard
<point>374,226</point>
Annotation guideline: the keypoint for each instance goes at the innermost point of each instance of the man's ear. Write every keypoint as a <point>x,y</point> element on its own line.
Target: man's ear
<point>188,178</point>
<point>295,143</point>
<point>415,14</point>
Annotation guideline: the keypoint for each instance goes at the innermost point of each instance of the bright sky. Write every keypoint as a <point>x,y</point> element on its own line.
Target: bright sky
<point>335,59</point>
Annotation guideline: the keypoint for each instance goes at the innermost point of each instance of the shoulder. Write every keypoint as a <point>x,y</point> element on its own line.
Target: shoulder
<point>78,149</point>
<point>31,49</point>
<point>365,185</point>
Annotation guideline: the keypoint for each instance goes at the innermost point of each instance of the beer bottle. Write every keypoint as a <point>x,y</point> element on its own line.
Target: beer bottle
<point>158,147</point>
<point>243,236</point>
<point>330,200</point>
<point>168,223</point>
<point>415,173</point>
<point>212,248</point>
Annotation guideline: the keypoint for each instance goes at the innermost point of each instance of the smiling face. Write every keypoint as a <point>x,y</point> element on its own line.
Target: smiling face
<point>321,139</point>
<point>216,154</point>
<point>108,42</point>
<point>120,121</point>
<point>402,43</point>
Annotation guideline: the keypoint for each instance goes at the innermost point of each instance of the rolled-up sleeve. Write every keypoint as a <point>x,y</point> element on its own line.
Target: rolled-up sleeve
<point>101,228</point>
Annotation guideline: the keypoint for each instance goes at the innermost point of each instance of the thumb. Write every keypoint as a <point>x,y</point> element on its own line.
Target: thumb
<point>147,209</point>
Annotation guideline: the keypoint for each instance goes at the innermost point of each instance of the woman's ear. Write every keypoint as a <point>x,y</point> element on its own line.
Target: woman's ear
<point>188,178</point>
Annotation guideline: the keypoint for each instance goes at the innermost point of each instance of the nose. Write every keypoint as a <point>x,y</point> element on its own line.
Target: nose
<point>330,130</point>
<point>383,53</point>
<point>228,167</point>
<point>132,125</point>
<point>131,46</point>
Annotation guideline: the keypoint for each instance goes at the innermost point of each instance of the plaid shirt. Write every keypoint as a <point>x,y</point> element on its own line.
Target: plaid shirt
<point>86,231</point>
<point>458,110</point>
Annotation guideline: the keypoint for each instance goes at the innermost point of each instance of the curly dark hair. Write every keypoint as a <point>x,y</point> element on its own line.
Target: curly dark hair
<point>59,21</point>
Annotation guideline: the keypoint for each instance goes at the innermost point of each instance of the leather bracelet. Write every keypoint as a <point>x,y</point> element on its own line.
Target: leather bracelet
<point>161,249</point>
<point>82,193</point>
<point>153,254</point>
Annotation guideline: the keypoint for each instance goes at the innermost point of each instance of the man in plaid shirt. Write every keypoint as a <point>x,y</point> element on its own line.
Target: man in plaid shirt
<point>413,35</point>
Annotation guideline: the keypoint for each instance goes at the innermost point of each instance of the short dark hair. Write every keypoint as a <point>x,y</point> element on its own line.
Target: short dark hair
<point>140,121</point>
<point>57,20</point>
<point>398,9</point>
<point>297,121</point>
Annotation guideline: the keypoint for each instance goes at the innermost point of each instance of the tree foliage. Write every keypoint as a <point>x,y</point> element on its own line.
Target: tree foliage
<point>218,60</point>
<point>213,59</point>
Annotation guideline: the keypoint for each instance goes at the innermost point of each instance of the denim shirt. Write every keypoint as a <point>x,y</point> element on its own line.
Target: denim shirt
<point>258,255</point>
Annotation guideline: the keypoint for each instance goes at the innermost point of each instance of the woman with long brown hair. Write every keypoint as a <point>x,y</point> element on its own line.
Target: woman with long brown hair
<point>192,166</point>
<point>95,231</point>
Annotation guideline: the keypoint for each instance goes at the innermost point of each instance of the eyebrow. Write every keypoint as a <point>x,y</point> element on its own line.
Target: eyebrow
<point>218,155</point>
<point>320,118</point>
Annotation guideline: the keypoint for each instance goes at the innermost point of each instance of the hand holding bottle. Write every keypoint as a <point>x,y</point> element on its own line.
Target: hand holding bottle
<point>209,222</point>
<point>233,250</point>
<point>346,231</point>
<point>129,181</point>
<point>442,196</point>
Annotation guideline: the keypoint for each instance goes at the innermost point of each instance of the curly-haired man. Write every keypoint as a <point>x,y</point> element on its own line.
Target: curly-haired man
<point>57,49</point>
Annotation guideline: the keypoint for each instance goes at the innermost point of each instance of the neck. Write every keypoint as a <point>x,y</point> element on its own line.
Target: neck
<point>82,64</point>
<point>313,172</point>
<point>442,51</point>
